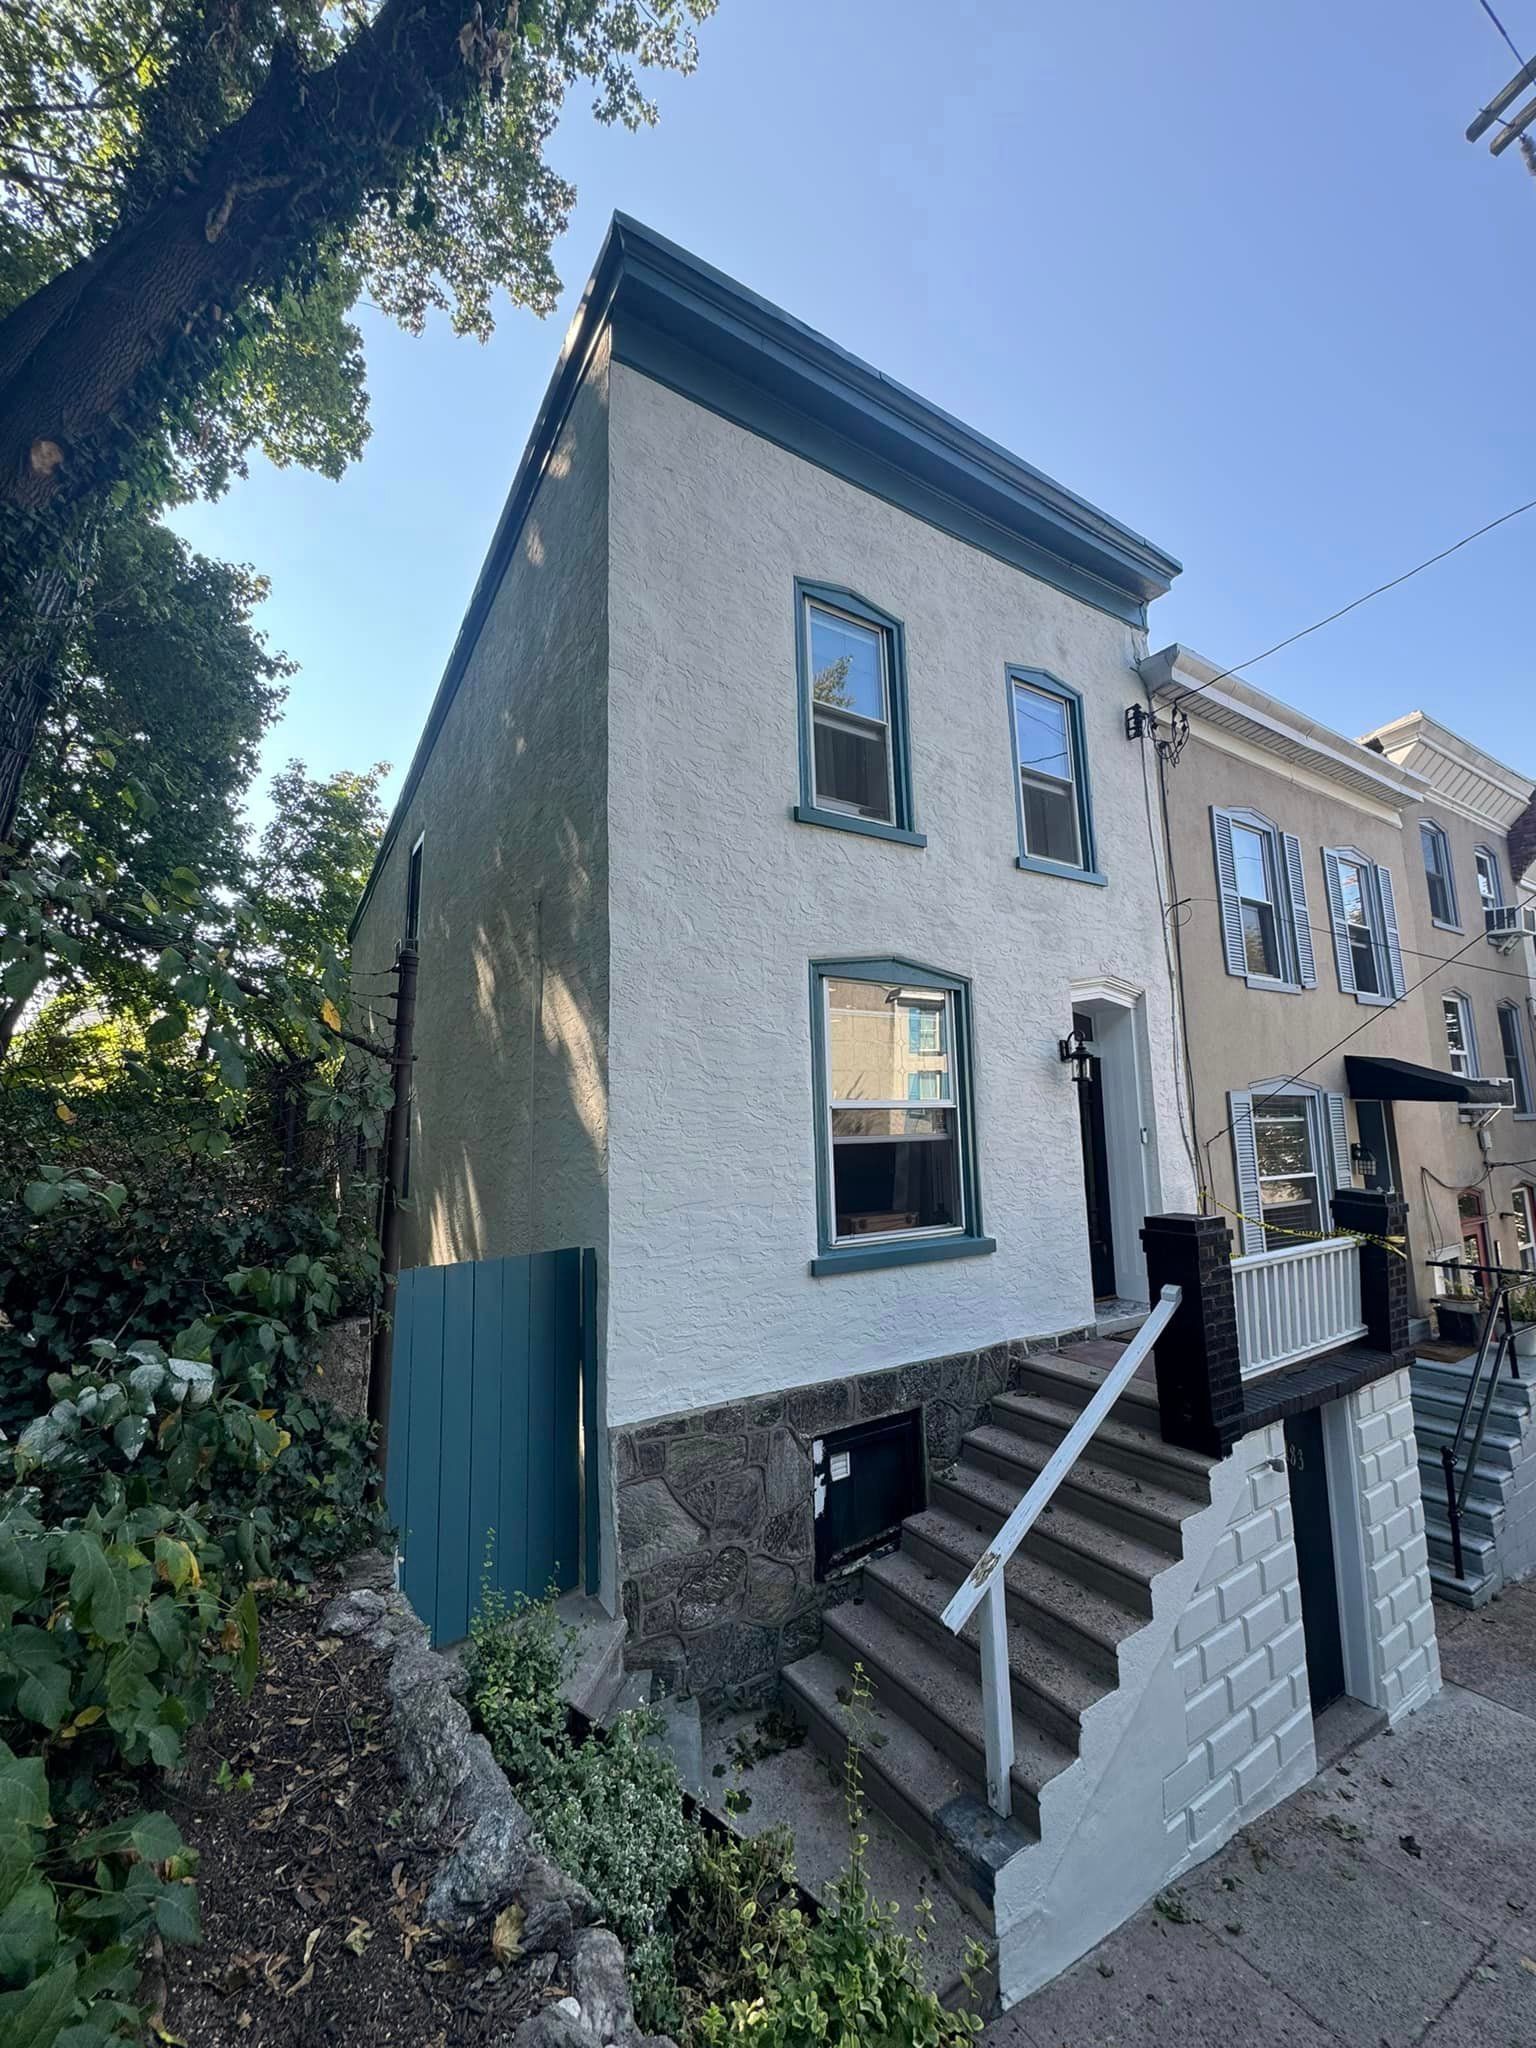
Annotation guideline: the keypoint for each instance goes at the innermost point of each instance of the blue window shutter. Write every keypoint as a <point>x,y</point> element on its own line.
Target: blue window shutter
<point>1231,907</point>
<point>1394,941</point>
<point>1301,925</point>
<point>1338,1136</point>
<point>1341,952</point>
<point>1245,1154</point>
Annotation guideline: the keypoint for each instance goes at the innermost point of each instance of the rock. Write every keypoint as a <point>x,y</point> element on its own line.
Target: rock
<point>652,1525</point>
<point>598,1979</point>
<point>554,1906</point>
<point>350,1613</point>
<point>554,2028</point>
<point>483,1872</point>
<point>571,2007</point>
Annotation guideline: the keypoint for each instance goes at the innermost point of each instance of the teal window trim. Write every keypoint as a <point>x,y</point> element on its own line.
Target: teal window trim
<point>902,830</point>
<point>1088,869</point>
<point>969,1242</point>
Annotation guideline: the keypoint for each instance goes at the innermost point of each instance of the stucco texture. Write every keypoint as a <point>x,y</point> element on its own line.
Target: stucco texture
<point>719,900</point>
<point>510,1128</point>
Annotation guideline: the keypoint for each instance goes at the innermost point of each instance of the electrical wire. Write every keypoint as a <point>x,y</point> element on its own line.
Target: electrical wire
<point>1503,31</point>
<point>1324,931</point>
<point>1355,603</point>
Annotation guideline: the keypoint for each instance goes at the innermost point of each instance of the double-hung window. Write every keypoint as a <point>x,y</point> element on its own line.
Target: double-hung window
<point>896,1141</point>
<point>1290,1147</point>
<point>1050,770</point>
<point>1266,936</point>
<point>1460,1037</point>
<point>1438,876</point>
<point>1363,908</point>
<point>855,761</point>
<point>1490,886</point>
<point>1525,1228</point>
<point>1512,1037</point>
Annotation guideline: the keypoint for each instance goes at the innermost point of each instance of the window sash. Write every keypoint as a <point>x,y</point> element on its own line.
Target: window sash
<point>1525,1228</point>
<point>1489,889</point>
<point>1458,1036</point>
<point>947,1106</point>
<point>1437,874</point>
<point>1064,785</point>
<point>846,718</point>
<point>1513,1039</point>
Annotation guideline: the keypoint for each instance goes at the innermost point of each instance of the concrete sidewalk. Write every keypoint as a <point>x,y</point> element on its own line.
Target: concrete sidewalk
<point>1389,1904</point>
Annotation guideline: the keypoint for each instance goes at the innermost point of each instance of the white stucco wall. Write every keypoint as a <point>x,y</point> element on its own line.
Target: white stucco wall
<point>510,1131</point>
<point>719,901</point>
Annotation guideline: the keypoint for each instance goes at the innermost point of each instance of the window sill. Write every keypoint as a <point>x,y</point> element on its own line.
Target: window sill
<point>857,1258</point>
<point>836,821</point>
<point>1440,925</point>
<point>1264,985</point>
<point>1061,870</point>
<point>1375,1002</point>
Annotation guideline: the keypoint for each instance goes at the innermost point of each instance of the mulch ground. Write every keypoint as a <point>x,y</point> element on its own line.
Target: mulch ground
<point>310,1880</point>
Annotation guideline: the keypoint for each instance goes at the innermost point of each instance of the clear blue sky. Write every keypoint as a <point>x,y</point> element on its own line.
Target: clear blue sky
<point>1232,273</point>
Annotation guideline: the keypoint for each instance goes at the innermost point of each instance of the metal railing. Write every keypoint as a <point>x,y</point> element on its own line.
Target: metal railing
<point>1494,1284</point>
<point>985,1587</point>
<point>1294,1304</point>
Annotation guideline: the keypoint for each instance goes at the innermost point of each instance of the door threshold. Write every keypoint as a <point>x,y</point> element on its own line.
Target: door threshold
<point>1342,1726</point>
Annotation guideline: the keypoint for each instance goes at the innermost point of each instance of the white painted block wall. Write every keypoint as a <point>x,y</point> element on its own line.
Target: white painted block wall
<point>1392,1659</point>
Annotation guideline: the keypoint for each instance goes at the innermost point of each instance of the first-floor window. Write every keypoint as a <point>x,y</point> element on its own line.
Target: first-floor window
<point>893,1067</point>
<point>1459,1042</point>
<point>1512,1036</point>
<point>1525,1228</point>
<point>1290,1186</point>
<point>895,1168</point>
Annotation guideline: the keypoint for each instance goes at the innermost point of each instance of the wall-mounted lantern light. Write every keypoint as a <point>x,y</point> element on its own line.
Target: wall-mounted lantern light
<point>1075,1054</point>
<point>1363,1160</point>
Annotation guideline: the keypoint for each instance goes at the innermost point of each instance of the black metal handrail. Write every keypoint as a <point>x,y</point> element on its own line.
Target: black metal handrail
<point>1496,1283</point>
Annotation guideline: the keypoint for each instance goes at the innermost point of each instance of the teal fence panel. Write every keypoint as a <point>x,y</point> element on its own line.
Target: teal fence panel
<point>493,1379</point>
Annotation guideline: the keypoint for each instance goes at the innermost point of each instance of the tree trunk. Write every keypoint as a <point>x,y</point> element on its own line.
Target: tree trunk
<point>88,363</point>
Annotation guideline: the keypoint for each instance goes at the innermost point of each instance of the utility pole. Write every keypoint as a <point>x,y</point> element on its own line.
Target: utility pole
<point>381,1363</point>
<point>1509,130</point>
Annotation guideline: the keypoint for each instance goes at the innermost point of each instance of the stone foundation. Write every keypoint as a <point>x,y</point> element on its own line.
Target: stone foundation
<point>716,1523</point>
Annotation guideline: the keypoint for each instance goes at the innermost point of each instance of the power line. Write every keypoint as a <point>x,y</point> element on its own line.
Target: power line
<point>1503,31</point>
<point>1355,603</point>
<point>1325,931</point>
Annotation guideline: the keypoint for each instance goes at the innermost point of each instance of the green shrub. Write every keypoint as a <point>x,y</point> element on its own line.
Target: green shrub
<point>123,1590</point>
<point>518,1658</point>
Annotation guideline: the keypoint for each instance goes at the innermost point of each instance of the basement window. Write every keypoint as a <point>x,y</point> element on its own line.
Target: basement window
<point>868,1480</point>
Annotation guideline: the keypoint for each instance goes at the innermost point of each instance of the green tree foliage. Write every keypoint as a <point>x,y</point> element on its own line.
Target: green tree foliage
<point>313,860</point>
<point>195,191</point>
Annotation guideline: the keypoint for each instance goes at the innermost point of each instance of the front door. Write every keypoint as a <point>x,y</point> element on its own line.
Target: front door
<point>1308,1473</point>
<point>1101,1233</point>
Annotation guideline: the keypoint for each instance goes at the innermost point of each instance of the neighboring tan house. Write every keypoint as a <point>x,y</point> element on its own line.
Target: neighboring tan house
<point>787,898</point>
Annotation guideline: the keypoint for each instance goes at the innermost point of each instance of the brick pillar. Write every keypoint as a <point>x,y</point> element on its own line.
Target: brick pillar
<point>1199,1375</point>
<point>1383,1273</point>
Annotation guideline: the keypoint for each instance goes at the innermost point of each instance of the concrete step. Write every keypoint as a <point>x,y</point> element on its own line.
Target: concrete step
<point>1448,1382</point>
<point>1125,1440</point>
<point>1479,1554</point>
<point>1151,1513</point>
<point>1076,1373</point>
<point>1086,1549</point>
<point>1474,1591</point>
<point>1442,1410</point>
<point>934,1692</point>
<point>913,1783</point>
<point>1501,1444</point>
<point>1490,1482</point>
<point>1049,1683</point>
<point>1078,1618</point>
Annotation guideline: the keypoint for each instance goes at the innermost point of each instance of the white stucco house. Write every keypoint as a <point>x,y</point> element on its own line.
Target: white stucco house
<point>773,844</point>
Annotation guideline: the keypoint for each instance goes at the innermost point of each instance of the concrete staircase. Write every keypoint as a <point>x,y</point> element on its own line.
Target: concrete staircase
<point>1498,1524</point>
<point>1079,1591</point>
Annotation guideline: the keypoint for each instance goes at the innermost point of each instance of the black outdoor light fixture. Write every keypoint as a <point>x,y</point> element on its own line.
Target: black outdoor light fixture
<point>1075,1054</point>
<point>1363,1160</point>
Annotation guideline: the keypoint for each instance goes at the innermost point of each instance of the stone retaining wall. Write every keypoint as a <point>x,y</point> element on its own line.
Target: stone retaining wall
<point>716,1529</point>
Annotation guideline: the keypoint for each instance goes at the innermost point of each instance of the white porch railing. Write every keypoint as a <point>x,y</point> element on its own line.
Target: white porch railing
<point>985,1586</point>
<point>1295,1303</point>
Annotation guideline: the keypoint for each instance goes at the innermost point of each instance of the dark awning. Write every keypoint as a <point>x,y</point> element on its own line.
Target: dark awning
<point>1379,1080</point>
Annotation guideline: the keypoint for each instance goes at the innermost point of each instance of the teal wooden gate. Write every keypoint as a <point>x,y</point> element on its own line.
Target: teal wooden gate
<point>492,1372</point>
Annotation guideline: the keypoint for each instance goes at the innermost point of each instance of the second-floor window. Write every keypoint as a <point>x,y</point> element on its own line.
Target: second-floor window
<point>1490,889</point>
<point>1438,876</point>
<point>1363,908</point>
<point>1460,1039</point>
<point>1512,1039</point>
<point>1050,775</point>
<point>855,765</point>
<point>1265,932</point>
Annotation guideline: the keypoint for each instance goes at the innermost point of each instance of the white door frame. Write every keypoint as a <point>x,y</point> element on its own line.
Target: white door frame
<point>1119,1013</point>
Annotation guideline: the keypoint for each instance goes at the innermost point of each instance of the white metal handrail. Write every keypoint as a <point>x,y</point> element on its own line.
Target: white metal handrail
<point>1296,1303</point>
<point>986,1581</point>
